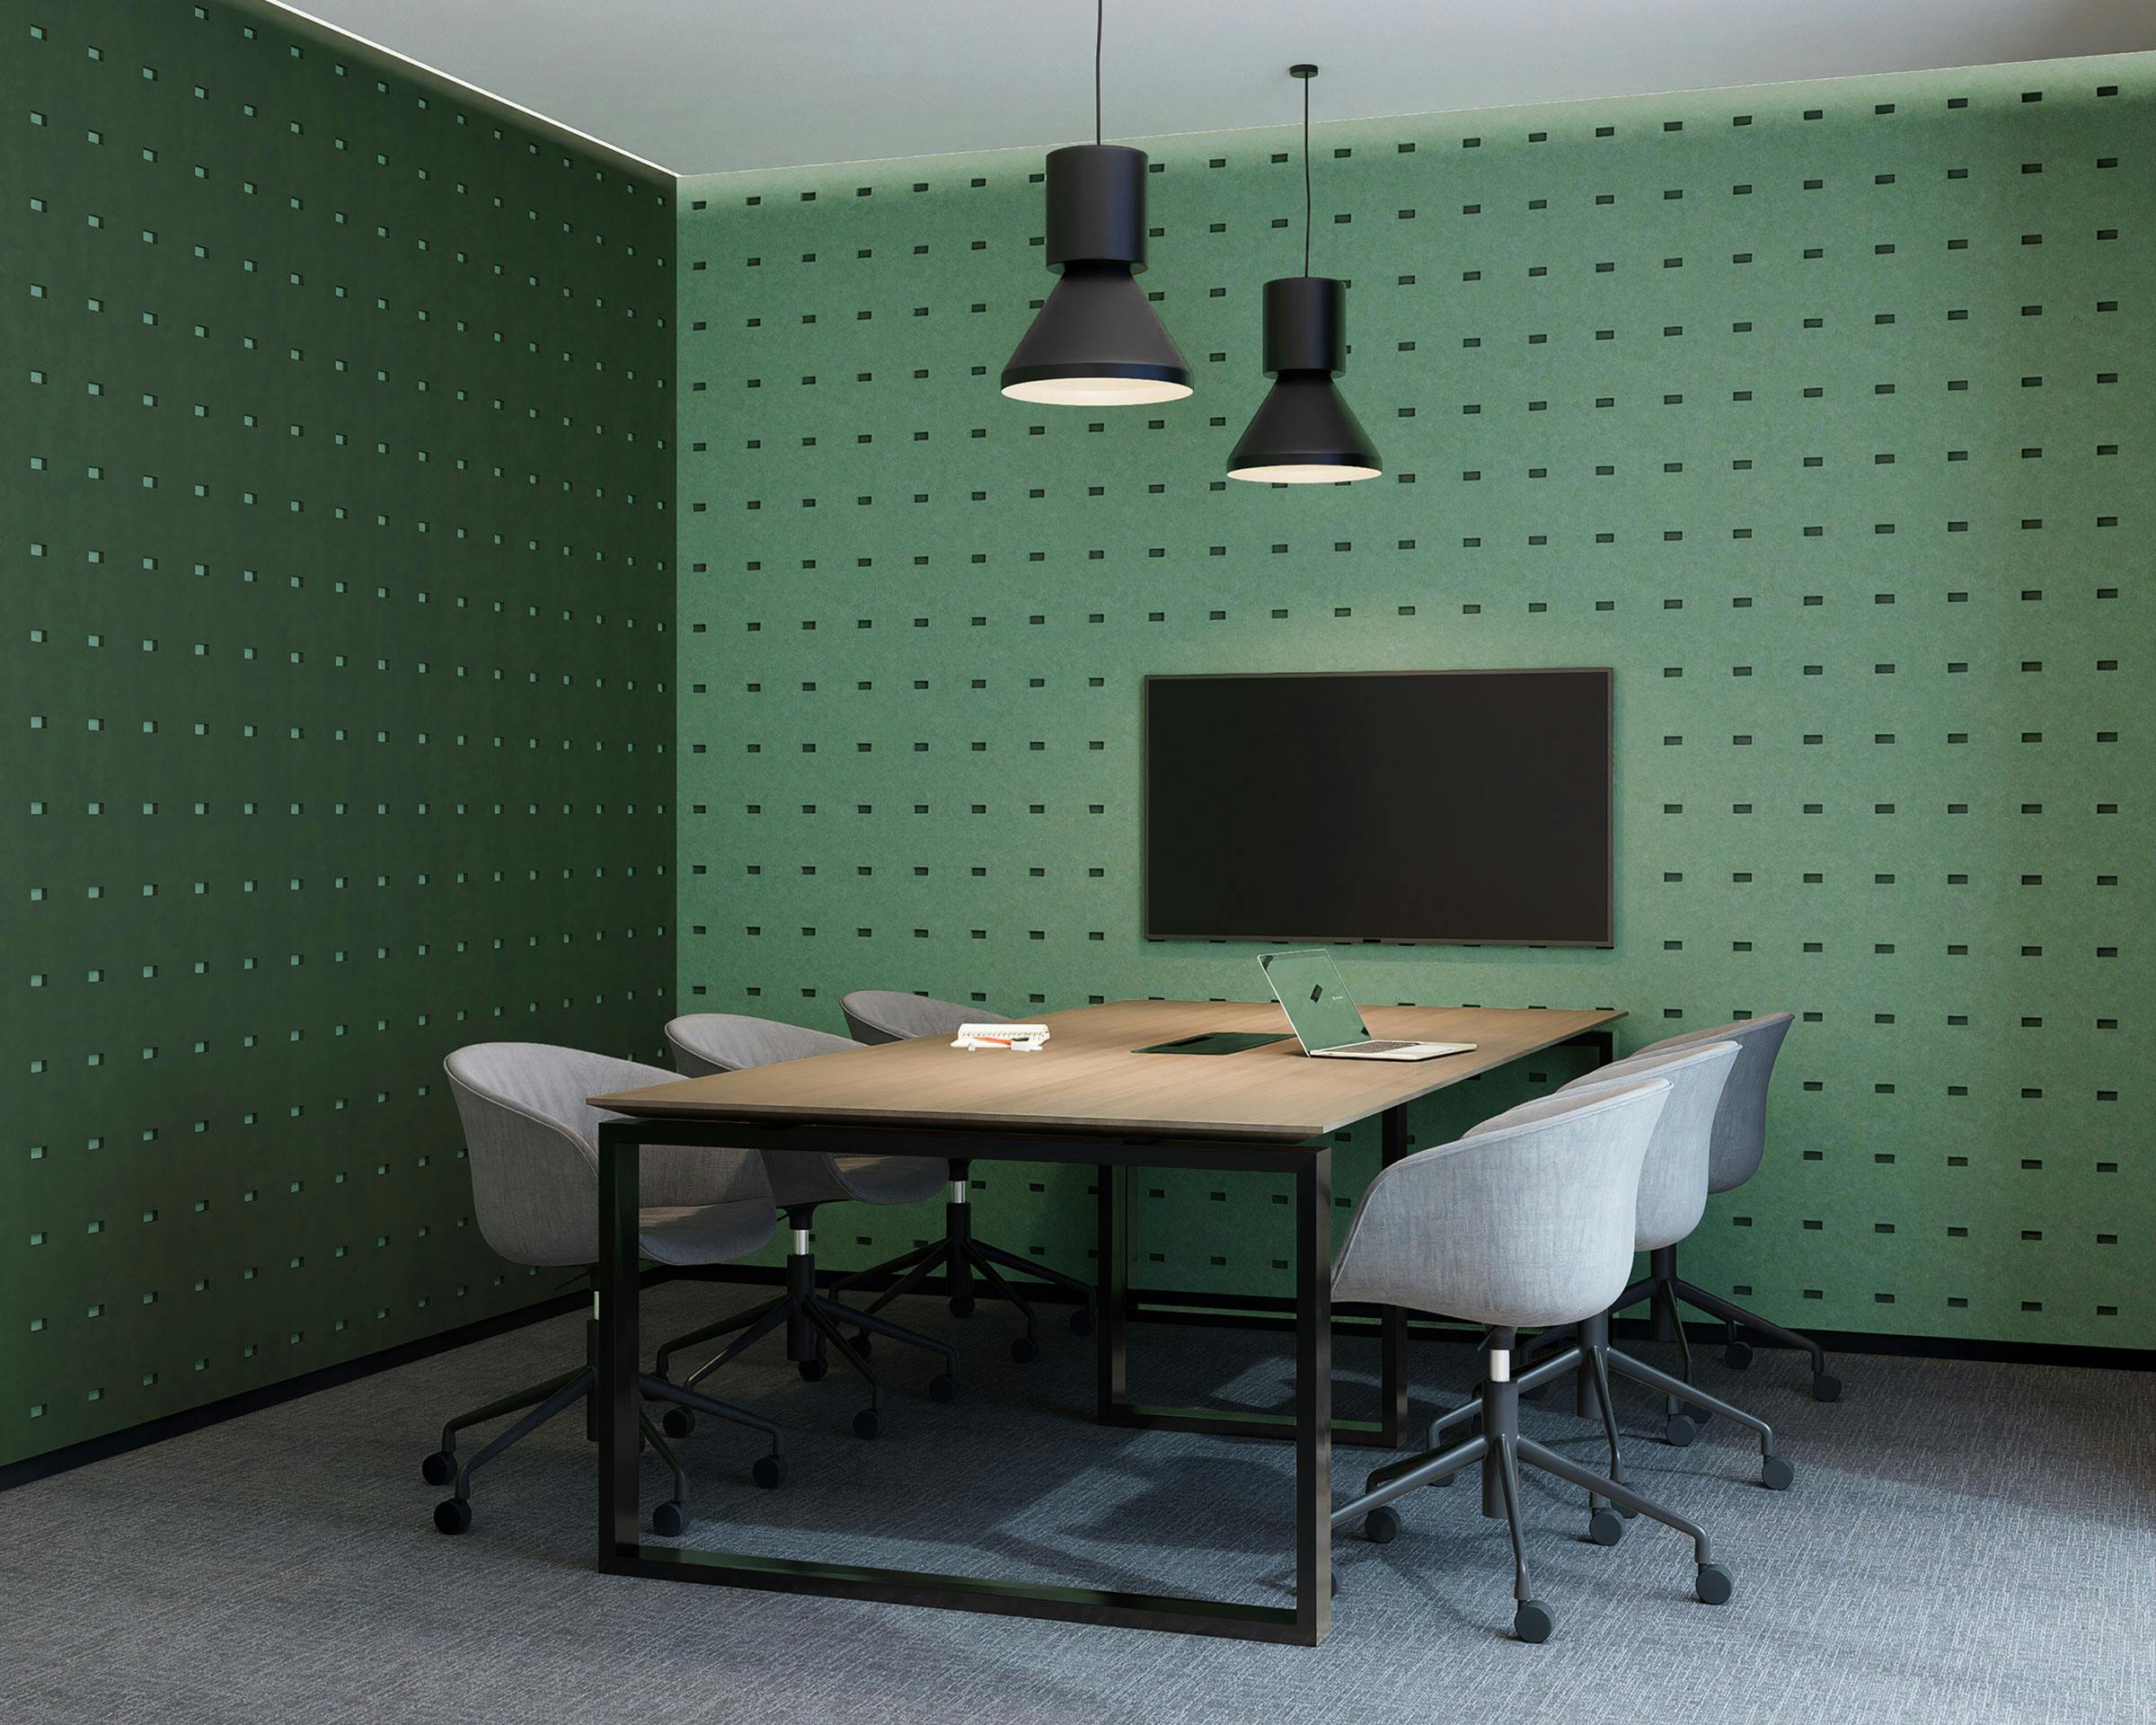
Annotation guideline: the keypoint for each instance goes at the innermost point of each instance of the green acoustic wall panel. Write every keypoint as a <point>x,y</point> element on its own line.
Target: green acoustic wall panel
<point>336,684</point>
<point>1820,411</point>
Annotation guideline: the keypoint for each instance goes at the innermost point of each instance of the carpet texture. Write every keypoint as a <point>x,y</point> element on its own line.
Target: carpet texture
<point>1964,1542</point>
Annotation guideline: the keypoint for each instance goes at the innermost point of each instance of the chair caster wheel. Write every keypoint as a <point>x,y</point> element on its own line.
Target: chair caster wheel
<point>1737,1355</point>
<point>1606,1527</point>
<point>1381,1526</point>
<point>864,1344</point>
<point>770,1473</point>
<point>1534,1394</point>
<point>1826,1387</point>
<point>1680,1432</point>
<point>813,1369</point>
<point>1336,1587</point>
<point>943,1387</point>
<point>1715,1586</point>
<point>1445,1480</point>
<point>1698,1416</point>
<point>440,1468</point>
<point>452,1516</point>
<point>963,1306</point>
<point>1532,1620</point>
<point>677,1422</point>
<point>1082,1321</point>
<point>1776,1473</point>
<point>866,1424</point>
<point>669,1520</point>
<point>1024,1350</point>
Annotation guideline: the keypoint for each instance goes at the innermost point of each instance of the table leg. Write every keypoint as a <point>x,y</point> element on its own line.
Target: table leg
<point>1392,1343</point>
<point>1314,1397</point>
<point>616,1295</point>
<point>1112,1334</point>
<point>1113,1406</point>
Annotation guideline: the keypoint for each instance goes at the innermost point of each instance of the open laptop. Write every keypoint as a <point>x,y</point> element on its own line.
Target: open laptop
<point>1307,984</point>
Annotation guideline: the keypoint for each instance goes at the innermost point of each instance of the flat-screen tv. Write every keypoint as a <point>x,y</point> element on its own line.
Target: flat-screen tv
<point>1469,808</point>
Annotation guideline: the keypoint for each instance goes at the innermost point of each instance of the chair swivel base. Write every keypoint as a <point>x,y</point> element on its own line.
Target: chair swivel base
<point>1500,1450</point>
<point>962,1257</point>
<point>1776,1471</point>
<point>1664,1288</point>
<point>813,1322</point>
<point>540,1402</point>
<point>1684,1414</point>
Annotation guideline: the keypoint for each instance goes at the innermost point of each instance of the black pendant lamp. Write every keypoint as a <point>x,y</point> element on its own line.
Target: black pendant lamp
<point>1097,343</point>
<point>1304,433</point>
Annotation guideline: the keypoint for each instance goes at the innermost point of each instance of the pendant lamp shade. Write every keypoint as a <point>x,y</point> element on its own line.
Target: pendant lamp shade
<point>1304,433</point>
<point>1096,342</point>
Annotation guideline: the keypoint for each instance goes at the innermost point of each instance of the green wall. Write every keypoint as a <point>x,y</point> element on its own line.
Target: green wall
<point>338,534</point>
<point>1820,411</point>
<point>338,486</point>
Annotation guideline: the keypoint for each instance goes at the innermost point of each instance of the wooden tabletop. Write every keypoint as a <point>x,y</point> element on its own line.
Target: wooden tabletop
<point>1088,1079</point>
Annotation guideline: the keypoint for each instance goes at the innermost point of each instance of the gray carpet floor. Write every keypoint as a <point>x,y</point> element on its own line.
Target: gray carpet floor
<point>1964,1542</point>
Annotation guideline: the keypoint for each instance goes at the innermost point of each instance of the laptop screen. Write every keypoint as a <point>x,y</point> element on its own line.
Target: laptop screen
<point>1308,986</point>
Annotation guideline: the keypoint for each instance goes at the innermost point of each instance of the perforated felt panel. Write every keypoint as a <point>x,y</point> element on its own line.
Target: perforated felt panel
<point>1820,411</point>
<point>337,686</point>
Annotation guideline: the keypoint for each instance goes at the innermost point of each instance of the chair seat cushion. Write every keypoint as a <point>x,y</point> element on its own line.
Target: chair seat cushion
<point>703,1234</point>
<point>867,1179</point>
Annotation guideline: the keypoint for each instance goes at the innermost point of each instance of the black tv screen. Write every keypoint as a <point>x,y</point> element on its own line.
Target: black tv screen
<point>1461,807</point>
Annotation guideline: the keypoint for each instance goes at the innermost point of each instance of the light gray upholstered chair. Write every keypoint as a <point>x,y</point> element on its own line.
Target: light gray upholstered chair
<point>1528,1223</point>
<point>883,1015</point>
<point>711,1042</point>
<point>531,1142</point>
<point>1740,1142</point>
<point>1673,1194</point>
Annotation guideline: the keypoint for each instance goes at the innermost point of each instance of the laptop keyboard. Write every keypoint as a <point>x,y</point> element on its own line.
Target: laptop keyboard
<point>1369,1047</point>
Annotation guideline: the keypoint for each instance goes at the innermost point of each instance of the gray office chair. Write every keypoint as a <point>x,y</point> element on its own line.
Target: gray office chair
<point>709,1042</point>
<point>533,1145</point>
<point>1673,1195</point>
<point>1740,1141</point>
<point>883,1015</point>
<point>1530,1223</point>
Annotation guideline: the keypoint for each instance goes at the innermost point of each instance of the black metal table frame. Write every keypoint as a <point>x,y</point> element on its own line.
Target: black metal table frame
<point>1305,1623</point>
<point>622,1550</point>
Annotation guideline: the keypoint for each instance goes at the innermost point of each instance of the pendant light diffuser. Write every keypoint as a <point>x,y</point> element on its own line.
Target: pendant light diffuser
<point>1304,433</point>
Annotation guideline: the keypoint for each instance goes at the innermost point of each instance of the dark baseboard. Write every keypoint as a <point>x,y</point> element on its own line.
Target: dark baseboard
<point>1270,1312</point>
<point>269,1395</point>
<point>1273,1311</point>
<point>1149,1306</point>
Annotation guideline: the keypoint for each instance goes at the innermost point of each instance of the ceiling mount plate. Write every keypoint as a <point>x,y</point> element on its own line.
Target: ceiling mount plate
<point>1302,70</point>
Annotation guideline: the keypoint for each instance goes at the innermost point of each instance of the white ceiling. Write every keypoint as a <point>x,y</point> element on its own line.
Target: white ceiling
<point>706,86</point>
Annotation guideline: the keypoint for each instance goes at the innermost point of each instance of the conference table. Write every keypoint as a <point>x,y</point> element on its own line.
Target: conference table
<point>1089,1097</point>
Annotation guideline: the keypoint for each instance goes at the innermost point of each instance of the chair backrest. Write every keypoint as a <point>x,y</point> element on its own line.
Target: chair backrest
<point>534,1147</point>
<point>1673,1179</point>
<point>708,1042</point>
<point>1529,1223</point>
<point>1740,1125</point>
<point>884,1015</point>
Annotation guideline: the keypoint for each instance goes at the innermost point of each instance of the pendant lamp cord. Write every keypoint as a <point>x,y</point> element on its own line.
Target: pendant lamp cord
<point>1306,176</point>
<point>1100,24</point>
